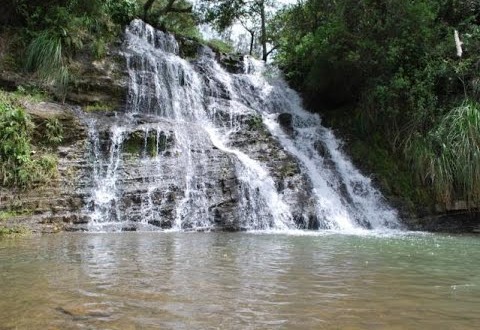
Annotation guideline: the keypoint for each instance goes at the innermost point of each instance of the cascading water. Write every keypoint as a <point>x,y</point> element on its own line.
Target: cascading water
<point>345,198</point>
<point>200,148</point>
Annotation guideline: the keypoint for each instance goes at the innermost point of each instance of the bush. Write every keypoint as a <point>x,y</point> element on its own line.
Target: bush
<point>122,11</point>
<point>17,166</point>
<point>448,158</point>
<point>220,46</point>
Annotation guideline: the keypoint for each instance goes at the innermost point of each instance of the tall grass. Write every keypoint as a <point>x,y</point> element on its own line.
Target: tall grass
<point>448,158</point>
<point>45,55</point>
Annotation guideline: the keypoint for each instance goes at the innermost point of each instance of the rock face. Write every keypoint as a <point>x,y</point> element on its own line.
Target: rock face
<point>99,81</point>
<point>255,140</point>
<point>233,63</point>
<point>141,173</point>
<point>55,205</point>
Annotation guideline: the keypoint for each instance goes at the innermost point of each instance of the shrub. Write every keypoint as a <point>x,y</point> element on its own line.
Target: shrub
<point>448,158</point>
<point>17,166</point>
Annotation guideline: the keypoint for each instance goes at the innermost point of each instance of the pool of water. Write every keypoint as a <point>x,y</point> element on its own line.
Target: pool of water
<point>240,281</point>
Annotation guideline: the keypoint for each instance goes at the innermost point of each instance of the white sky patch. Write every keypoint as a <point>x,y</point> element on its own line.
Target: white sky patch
<point>236,32</point>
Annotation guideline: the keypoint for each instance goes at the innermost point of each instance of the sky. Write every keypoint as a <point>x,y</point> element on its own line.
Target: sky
<point>237,31</point>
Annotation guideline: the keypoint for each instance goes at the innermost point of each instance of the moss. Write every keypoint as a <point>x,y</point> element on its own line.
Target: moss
<point>288,169</point>
<point>220,46</point>
<point>255,123</point>
<point>10,214</point>
<point>140,144</point>
<point>18,231</point>
<point>99,107</point>
<point>134,143</point>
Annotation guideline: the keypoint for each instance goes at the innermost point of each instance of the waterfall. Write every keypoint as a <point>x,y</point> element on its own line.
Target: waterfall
<point>200,148</point>
<point>345,198</point>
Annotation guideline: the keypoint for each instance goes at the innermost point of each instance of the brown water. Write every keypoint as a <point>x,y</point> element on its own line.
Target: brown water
<point>239,281</point>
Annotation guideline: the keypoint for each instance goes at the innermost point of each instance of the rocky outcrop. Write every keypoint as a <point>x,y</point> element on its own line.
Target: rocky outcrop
<point>151,182</point>
<point>156,167</point>
<point>233,63</point>
<point>465,221</point>
<point>102,81</point>
<point>55,205</point>
<point>253,138</point>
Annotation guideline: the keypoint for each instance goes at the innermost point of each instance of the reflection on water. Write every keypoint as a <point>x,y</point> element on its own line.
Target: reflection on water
<point>239,281</point>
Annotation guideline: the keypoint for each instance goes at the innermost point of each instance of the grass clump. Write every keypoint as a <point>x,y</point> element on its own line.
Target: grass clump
<point>448,158</point>
<point>13,232</point>
<point>9,214</point>
<point>99,107</point>
<point>45,55</point>
<point>220,46</point>
<point>19,165</point>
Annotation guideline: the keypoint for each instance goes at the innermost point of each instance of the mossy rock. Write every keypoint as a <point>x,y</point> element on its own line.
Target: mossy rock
<point>188,48</point>
<point>147,143</point>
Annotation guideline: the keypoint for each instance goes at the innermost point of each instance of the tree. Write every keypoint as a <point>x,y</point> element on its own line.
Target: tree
<point>176,16</point>
<point>253,15</point>
<point>169,7</point>
<point>389,72</point>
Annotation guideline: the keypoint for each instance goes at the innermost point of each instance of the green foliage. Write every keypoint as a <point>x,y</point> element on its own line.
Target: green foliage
<point>13,232</point>
<point>253,15</point>
<point>393,64</point>
<point>53,131</point>
<point>45,56</point>
<point>122,11</point>
<point>56,30</point>
<point>181,25</point>
<point>18,167</point>
<point>391,174</point>
<point>176,16</point>
<point>6,215</point>
<point>15,128</point>
<point>222,14</point>
<point>99,48</point>
<point>220,46</point>
<point>448,158</point>
<point>29,93</point>
<point>98,107</point>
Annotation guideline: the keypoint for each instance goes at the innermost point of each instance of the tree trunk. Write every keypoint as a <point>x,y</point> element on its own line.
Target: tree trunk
<point>264,31</point>
<point>252,41</point>
<point>146,8</point>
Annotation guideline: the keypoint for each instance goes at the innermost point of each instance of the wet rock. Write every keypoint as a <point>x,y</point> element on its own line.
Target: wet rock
<point>188,48</point>
<point>286,121</point>
<point>233,63</point>
<point>81,312</point>
<point>321,149</point>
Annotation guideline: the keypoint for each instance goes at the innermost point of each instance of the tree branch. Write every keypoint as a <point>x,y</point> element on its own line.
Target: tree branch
<point>272,49</point>
<point>169,8</point>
